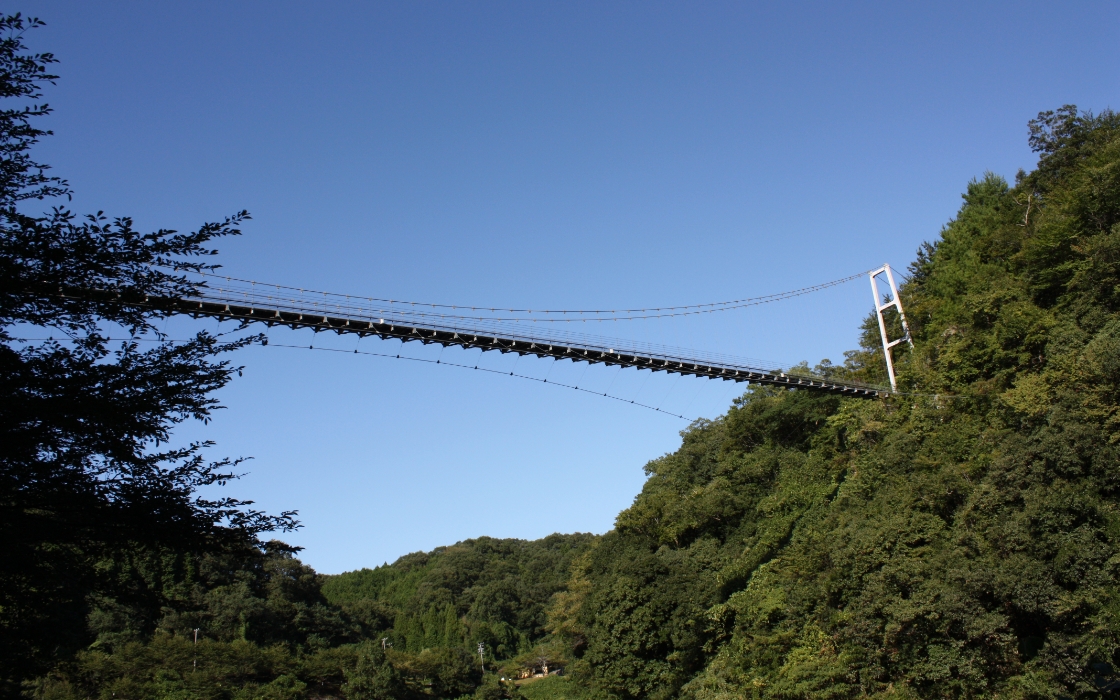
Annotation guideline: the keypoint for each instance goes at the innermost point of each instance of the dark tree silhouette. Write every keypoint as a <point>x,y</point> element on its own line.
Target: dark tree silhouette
<point>86,470</point>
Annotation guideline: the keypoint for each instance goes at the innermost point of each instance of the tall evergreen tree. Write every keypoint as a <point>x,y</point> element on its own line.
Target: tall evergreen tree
<point>86,470</point>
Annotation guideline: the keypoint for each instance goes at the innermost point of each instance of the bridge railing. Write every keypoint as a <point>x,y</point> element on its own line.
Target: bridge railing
<point>452,331</point>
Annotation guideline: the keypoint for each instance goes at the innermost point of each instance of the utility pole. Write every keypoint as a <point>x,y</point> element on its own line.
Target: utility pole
<point>879,309</point>
<point>481,655</point>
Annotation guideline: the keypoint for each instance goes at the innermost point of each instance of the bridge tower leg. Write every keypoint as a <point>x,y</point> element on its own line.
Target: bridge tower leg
<point>885,270</point>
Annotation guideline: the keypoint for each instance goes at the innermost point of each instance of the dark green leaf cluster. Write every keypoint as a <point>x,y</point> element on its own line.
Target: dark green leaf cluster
<point>86,472</point>
<point>484,590</point>
<point>961,539</point>
<point>266,628</point>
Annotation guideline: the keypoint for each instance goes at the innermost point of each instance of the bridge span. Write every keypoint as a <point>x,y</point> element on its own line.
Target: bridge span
<point>457,334</point>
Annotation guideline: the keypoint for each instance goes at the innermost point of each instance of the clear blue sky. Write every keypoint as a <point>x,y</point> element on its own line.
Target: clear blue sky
<point>561,155</point>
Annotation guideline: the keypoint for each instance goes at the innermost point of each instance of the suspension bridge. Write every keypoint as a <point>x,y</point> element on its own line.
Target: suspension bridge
<point>506,330</point>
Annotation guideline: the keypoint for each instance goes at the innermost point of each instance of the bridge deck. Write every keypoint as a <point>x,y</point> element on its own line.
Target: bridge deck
<point>466,338</point>
<point>449,335</point>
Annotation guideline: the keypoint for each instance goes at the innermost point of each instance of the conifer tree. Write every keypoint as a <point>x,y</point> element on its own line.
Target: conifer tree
<point>86,470</point>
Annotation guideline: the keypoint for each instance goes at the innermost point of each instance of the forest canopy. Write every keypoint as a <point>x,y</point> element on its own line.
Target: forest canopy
<point>958,539</point>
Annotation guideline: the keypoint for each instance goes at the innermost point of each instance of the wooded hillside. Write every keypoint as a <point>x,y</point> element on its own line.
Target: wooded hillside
<point>485,590</point>
<point>958,540</point>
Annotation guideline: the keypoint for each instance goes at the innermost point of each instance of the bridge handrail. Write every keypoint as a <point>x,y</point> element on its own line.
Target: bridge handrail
<point>453,335</point>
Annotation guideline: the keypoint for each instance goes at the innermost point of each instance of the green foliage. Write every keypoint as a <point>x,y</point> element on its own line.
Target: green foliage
<point>175,667</point>
<point>90,490</point>
<point>493,688</point>
<point>265,597</point>
<point>484,590</point>
<point>267,629</point>
<point>960,540</point>
<point>373,677</point>
<point>556,688</point>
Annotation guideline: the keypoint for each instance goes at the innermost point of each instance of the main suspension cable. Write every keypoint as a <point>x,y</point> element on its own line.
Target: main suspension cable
<point>258,291</point>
